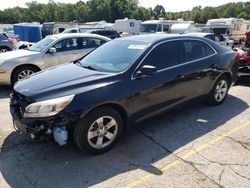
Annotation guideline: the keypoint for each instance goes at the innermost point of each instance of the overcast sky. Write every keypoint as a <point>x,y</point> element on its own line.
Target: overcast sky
<point>170,5</point>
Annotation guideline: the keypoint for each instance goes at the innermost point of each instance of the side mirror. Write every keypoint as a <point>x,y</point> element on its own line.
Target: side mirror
<point>52,50</point>
<point>146,70</point>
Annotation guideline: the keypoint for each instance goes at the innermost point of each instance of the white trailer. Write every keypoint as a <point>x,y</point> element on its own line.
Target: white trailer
<point>127,26</point>
<point>50,28</point>
<point>181,28</point>
<point>97,25</point>
<point>164,26</point>
<point>234,28</point>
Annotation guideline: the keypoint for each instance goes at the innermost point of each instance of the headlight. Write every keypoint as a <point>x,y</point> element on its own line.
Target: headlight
<point>47,108</point>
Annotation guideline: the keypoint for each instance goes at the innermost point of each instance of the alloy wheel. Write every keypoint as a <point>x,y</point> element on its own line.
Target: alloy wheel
<point>221,90</point>
<point>24,74</point>
<point>102,132</point>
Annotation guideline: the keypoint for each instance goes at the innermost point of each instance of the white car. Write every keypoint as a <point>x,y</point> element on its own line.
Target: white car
<point>51,51</point>
<point>222,39</point>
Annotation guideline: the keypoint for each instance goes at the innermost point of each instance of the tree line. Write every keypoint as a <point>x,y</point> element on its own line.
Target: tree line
<point>110,10</point>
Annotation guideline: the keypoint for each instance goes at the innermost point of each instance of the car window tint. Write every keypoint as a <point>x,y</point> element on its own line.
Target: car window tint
<point>209,50</point>
<point>67,45</point>
<point>159,28</point>
<point>73,31</point>
<point>164,55</point>
<point>211,37</point>
<point>192,50</point>
<point>2,37</point>
<point>91,42</point>
<point>165,28</point>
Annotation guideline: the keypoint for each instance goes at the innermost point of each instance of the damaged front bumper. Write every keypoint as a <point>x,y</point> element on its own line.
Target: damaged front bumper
<point>36,127</point>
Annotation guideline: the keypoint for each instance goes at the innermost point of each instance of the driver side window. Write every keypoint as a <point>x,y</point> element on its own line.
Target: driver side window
<point>66,45</point>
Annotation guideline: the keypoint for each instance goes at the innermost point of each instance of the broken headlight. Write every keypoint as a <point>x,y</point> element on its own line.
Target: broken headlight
<point>47,108</point>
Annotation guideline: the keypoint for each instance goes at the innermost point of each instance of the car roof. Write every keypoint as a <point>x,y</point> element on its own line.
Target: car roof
<point>152,38</point>
<point>199,34</point>
<point>71,35</point>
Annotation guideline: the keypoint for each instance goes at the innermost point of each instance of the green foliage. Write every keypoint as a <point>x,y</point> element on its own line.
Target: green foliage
<point>110,10</point>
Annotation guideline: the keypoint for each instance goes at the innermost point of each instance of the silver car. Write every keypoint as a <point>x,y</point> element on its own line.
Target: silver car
<point>51,51</point>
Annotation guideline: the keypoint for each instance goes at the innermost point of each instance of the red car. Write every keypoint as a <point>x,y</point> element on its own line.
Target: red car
<point>244,59</point>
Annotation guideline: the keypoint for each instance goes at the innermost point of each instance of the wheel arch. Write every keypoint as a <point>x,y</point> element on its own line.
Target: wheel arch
<point>119,108</point>
<point>24,65</point>
<point>229,77</point>
<point>4,46</point>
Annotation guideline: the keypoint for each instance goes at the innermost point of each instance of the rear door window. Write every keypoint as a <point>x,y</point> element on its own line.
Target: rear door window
<point>192,50</point>
<point>164,55</point>
<point>89,42</point>
<point>209,50</point>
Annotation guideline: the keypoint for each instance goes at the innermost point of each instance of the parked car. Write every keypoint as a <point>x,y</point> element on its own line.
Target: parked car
<point>244,61</point>
<point>124,81</point>
<point>221,39</point>
<point>79,29</point>
<point>51,51</point>
<point>104,32</point>
<point>6,44</point>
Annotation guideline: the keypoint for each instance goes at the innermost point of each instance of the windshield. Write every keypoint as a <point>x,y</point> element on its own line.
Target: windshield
<point>114,56</point>
<point>148,28</point>
<point>41,45</point>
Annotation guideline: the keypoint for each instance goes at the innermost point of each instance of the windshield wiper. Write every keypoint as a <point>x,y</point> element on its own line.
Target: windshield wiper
<point>89,67</point>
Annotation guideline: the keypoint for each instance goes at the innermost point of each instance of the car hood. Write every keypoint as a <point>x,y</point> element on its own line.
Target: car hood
<point>16,54</point>
<point>62,80</point>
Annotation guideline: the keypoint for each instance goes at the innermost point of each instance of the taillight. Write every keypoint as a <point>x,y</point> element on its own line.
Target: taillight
<point>11,42</point>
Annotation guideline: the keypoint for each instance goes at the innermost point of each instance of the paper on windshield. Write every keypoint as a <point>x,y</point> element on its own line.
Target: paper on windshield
<point>137,46</point>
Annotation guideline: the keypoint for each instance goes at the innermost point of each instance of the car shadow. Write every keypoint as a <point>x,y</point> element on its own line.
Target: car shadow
<point>25,163</point>
<point>5,91</point>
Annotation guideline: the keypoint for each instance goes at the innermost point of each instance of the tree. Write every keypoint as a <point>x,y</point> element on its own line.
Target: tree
<point>110,10</point>
<point>159,12</point>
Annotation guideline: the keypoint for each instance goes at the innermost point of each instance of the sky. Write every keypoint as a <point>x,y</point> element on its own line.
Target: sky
<point>178,5</point>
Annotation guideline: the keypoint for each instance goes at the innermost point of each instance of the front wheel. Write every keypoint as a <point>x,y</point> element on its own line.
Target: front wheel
<point>99,131</point>
<point>22,72</point>
<point>219,92</point>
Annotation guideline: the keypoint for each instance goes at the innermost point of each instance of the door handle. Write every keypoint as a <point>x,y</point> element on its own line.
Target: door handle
<point>180,76</point>
<point>213,65</point>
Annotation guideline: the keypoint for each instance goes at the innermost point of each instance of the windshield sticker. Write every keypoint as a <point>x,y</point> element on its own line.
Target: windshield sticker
<point>137,46</point>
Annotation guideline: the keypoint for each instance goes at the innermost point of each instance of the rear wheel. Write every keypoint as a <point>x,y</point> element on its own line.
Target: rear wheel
<point>22,73</point>
<point>4,49</point>
<point>219,92</point>
<point>99,131</point>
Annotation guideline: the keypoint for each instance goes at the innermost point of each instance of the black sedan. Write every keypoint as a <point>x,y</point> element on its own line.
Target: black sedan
<point>125,81</point>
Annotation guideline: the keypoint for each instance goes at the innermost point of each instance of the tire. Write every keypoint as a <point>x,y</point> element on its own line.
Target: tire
<point>98,126</point>
<point>219,91</point>
<point>4,49</point>
<point>16,75</point>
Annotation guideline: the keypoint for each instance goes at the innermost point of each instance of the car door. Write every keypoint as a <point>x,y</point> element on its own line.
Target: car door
<point>198,65</point>
<point>67,50</point>
<point>162,90</point>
